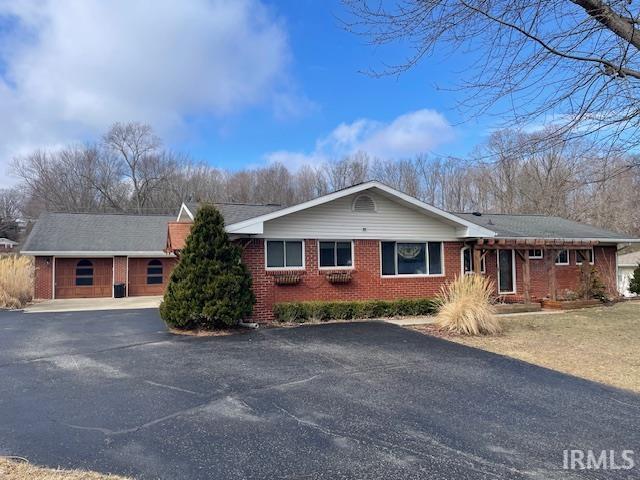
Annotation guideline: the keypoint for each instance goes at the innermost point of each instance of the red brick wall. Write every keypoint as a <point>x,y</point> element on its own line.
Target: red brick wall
<point>567,276</point>
<point>43,289</point>
<point>119,270</point>
<point>44,274</point>
<point>366,283</point>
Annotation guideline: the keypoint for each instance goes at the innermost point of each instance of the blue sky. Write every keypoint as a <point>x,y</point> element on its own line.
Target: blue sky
<point>234,84</point>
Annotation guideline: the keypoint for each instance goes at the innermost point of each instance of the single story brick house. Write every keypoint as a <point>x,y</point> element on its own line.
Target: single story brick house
<point>368,241</point>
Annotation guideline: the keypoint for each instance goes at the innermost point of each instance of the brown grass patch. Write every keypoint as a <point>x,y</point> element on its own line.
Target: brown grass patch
<point>16,281</point>
<point>15,469</point>
<point>600,344</point>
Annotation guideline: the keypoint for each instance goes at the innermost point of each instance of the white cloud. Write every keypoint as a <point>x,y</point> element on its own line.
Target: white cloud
<point>409,134</point>
<point>69,71</point>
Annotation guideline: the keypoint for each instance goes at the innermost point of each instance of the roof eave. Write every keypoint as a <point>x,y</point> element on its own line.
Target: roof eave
<point>572,239</point>
<point>99,253</point>
<point>184,209</point>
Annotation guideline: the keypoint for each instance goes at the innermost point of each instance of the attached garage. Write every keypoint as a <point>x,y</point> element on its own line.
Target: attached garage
<point>83,277</point>
<point>149,276</point>
<point>83,255</point>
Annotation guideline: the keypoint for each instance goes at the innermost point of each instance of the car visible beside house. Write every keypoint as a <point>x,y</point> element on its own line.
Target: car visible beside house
<point>368,241</point>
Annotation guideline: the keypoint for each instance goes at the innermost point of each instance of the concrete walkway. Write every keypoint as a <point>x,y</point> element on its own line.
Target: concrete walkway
<point>88,304</point>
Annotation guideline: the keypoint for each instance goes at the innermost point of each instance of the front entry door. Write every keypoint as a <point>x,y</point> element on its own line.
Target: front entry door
<point>506,272</point>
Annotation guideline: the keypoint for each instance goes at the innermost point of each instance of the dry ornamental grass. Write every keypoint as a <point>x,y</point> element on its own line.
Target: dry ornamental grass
<point>467,308</point>
<point>14,469</point>
<point>16,281</point>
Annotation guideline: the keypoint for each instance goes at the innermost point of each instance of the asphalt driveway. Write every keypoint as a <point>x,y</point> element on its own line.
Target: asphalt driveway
<point>113,392</point>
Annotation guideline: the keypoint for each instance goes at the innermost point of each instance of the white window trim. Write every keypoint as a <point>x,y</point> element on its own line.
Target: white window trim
<point>413,275</point>
<point>513,272</point>
<point>53,279</point>
<point>271,269</point>
<point>593,256</point>
<point>483,262</point>
<point>568,262</point>
<point>536,257</point>
<point>337,267</point>
<point>113,277</point>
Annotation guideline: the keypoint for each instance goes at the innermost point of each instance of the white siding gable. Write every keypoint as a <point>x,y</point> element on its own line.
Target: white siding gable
<point>337,220</point>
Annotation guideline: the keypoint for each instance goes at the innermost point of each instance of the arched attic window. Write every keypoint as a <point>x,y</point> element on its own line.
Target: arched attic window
<point>154,272</point>
<point>364,204</point>
<point>84,273</point>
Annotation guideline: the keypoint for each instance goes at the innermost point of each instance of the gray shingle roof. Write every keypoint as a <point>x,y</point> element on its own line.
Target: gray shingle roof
<point>539,226</point>
<point>238,212</point>
<point>90,232</point>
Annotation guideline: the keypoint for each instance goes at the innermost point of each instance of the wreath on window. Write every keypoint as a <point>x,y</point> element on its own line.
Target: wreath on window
<point>409,252</point>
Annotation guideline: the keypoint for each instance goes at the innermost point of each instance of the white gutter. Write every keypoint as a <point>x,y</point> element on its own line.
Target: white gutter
<point>99,253</point>
<point>578,239</point>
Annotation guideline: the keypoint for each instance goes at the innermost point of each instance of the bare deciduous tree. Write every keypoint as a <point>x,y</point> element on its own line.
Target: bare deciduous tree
<point>572,179</point>
<point>574,63</point>
<point>9,213</point>
<point>136,149</point>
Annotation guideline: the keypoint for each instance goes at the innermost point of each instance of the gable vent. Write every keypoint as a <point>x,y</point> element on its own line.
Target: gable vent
<point>364,204</point>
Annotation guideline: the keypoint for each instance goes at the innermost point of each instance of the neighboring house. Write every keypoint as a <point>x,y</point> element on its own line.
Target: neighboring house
<point>627,263</point>
<point>7,245</point>
<point>367,241</point>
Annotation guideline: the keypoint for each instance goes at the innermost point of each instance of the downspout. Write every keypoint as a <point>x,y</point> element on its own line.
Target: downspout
<point>242,324</point>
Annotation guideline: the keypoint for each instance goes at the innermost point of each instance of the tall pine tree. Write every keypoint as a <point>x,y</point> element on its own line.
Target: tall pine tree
<point>210,287</point>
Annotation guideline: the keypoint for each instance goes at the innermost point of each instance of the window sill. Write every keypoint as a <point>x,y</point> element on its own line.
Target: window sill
<point>414,275</point>
<point>285,269</point>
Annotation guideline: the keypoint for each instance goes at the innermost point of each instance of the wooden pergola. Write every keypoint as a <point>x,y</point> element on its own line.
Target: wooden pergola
<point>521,246</point>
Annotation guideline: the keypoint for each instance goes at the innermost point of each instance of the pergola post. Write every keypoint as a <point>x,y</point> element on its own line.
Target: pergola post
<point>553,291</point>
<point>477,260</point>
<point>526,277</point>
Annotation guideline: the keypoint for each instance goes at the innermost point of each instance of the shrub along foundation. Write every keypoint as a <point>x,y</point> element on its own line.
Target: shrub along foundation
<point>301,312</point>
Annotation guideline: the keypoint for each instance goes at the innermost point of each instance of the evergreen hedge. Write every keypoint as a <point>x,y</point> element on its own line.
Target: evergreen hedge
<point>634,283</point>
<point>210,287</point>
<point>301,312</point>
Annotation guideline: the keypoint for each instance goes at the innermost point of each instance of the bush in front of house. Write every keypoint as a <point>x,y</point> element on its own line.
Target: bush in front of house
<point>301,312</point>
<point>210,287</point>
<point>591,285</point>
<point>467,308</point>
<point>634,282</point>
<point>16,281</point>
